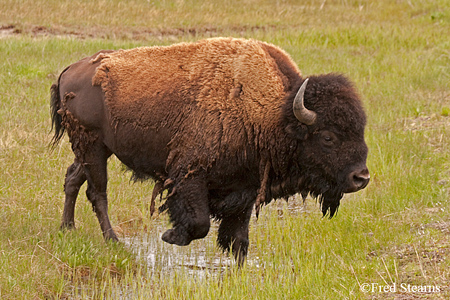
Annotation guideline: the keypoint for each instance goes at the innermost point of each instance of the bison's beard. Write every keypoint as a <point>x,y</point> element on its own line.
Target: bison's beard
<point>330,201</point>
<point>327,192</point>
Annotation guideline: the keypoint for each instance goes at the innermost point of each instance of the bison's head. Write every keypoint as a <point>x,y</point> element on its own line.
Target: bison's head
<point>329,129</point>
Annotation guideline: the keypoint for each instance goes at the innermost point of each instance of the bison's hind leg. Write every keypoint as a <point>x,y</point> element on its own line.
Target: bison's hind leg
<point>75,177</point>
<point>95,168</point>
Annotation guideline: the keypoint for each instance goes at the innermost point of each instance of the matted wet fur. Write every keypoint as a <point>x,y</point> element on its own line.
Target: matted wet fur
<point>213,123</point>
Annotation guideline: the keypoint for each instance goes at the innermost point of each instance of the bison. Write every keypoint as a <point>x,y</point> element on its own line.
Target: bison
<point>222,125</point>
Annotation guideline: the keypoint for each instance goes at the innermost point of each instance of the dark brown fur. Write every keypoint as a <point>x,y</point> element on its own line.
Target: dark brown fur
<point>212,123</point>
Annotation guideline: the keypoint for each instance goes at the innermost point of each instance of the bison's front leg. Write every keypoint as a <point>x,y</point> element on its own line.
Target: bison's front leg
<point>189,212</point>
<point>233,232</point>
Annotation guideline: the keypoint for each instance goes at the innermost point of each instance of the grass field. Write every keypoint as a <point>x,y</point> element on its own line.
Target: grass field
<point>389,241</point>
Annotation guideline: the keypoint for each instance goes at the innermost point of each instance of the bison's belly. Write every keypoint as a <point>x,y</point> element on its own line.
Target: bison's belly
<point>142,150</point>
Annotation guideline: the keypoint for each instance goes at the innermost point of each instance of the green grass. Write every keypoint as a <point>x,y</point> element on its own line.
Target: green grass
<point>396,230</point>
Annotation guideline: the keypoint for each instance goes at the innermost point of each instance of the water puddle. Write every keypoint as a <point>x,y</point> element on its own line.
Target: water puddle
<point>201,257</point>
<point>198,259</point>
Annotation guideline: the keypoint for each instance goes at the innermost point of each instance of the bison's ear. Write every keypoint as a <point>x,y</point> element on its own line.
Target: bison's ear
<point>297,130</point>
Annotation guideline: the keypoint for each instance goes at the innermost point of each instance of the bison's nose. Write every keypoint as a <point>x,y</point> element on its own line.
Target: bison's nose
<point>358,180</point>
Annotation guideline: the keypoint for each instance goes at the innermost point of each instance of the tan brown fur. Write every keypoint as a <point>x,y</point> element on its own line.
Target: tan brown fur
<point>229,75</point>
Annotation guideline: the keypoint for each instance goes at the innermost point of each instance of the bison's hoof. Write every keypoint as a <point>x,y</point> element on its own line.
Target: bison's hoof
<point>67,226</point>
<point>110,236</point>
<point>173,236</point>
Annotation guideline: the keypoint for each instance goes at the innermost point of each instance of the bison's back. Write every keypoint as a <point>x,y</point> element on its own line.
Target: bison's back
<point>235,77</point>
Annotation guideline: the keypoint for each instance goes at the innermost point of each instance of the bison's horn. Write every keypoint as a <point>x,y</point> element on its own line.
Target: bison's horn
<point>303,114</point>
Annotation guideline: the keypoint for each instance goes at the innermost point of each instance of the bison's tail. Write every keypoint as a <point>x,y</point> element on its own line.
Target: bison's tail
<point>55,105</point>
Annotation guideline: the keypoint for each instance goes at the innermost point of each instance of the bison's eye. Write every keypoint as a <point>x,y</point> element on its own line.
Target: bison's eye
<point>328,138</point>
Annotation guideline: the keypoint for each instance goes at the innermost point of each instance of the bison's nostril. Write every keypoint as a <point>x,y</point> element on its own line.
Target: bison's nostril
<point>358,180</point>
<point>361,181</point>
<point>361,178</point>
